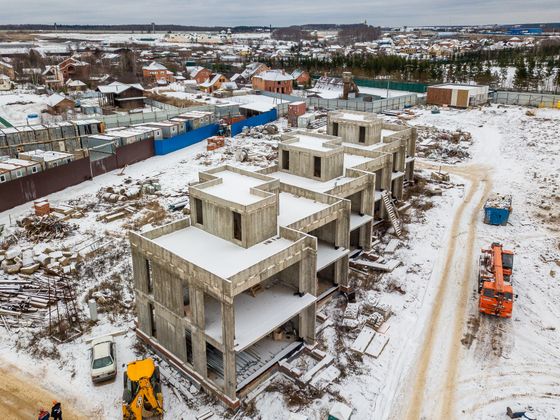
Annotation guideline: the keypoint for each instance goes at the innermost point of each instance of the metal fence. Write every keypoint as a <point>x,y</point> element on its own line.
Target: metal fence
<point>394,85</point>
<point>527,99</point>
<point>261,119</point>
<point>380,105</point>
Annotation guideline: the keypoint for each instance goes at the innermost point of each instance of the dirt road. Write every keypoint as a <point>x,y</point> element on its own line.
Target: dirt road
<point>21,397</point>
<point>430,393</point>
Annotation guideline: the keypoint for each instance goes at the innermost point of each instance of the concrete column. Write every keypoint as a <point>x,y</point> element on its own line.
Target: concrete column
<point>198,335</point>
<point>308,284</point>
<point>228,338</point>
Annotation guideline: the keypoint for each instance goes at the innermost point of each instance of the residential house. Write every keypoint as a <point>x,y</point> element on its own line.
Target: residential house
<point>53,77</point>
<point>58,104</point>
<point>213,83</point>
<point>7,69</point>
<point>73,68</point>
<point>157,73</point>
<point>253,69</point>
<point>5,83</point>
<point>301,77</point>
<point>75,85</point>
<point>277,81</point>
<point>199,73</point>
<point>121,95</point>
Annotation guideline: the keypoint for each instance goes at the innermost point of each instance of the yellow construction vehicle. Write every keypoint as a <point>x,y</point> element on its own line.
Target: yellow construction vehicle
<point>142,397</point>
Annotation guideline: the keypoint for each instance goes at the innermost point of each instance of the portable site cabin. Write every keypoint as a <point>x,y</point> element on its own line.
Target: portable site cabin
<point>26,134</point>
<point>157,133</point>
<point>18,168</point>
<point>101,145</point>
<point>86,127</point>
<point>125,136</point>
<point>148,133</point>
<point>47,159</point>
<point>12,136</point>
<point>457,95</point>
<point>168,129</point>
<point>497,209</point>
<point>41,133</point>
<point>181,124</point>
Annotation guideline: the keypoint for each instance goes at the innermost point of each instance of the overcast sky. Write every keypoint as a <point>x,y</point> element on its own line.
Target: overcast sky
<point>279,12</point>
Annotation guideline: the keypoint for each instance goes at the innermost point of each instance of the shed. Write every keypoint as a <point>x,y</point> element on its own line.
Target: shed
<point>457,95</point>
<point>340,411</point>
<point>497,209</point>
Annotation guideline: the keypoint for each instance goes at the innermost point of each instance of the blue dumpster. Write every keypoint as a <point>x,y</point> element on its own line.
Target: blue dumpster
<point>497,209</point>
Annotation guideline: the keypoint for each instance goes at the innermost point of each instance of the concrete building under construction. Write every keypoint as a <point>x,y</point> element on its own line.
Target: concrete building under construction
<point>231,290</point>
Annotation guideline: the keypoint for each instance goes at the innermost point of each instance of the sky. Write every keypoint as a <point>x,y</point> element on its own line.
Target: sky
<point>280,12</point>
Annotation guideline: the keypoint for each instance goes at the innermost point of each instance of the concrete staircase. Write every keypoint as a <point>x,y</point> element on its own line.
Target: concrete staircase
<point>392,212</point>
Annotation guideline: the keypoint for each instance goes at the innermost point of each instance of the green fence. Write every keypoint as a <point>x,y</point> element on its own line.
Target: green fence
<point>406,86</point>
<point>5,123</point>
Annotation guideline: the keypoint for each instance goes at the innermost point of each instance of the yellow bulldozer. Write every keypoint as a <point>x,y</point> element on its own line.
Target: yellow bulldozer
<point>142,397</point>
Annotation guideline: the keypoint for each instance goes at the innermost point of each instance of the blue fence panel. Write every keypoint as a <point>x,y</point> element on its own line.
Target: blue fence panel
<point>261,119</point>
<point>165,146</point>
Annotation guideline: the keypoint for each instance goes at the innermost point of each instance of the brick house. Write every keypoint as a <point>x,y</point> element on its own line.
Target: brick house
<point>157,73</point>
<point>213,83</point>
<point>301,77</point>
<point>277,81</point>
<point>200,74</point>
<point>72,68</point>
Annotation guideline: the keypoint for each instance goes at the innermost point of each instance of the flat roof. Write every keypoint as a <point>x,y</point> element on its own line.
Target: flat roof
<point>310,184</point>
<point>235,187</point>
<point>351,161</point>
<point>311,142</point>
<point>204,249</point>
<point>294,208</point>
<point>458,86</point>
<point>257,316</point>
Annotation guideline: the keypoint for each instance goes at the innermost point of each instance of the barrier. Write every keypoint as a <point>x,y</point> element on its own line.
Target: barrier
<point>527,99</point>
<point>30,187</point>
<point>261,119</point>
<point>165,146</point>
<point>393,85</point>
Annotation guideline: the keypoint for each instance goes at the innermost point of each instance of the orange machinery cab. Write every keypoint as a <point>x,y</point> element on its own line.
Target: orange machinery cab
<point>495,287</point>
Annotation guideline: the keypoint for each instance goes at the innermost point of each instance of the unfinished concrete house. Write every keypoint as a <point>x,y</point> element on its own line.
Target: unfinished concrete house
<point>228,292</point>
<point>366,135</point>
<point>317,162</point>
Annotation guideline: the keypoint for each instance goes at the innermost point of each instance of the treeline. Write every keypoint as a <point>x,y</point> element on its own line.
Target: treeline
<point>533,66</point>
<point>128,28</point>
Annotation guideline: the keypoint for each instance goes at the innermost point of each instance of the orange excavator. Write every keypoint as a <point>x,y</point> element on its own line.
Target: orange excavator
<point>494,281</point>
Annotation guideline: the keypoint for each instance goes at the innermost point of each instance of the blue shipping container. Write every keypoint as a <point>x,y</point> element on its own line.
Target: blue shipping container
<point>494,216</point>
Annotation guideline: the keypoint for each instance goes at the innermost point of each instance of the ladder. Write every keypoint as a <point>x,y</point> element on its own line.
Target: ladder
<point>392,212</point>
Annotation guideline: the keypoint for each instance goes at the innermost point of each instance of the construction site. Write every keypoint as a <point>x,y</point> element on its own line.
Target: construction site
<point>368,263</point>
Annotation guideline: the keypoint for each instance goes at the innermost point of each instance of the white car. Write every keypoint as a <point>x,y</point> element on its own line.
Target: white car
<point>103,359</point>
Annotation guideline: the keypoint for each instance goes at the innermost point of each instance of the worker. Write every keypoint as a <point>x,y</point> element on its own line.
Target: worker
<point>56,412</point>
<point>43,414</point>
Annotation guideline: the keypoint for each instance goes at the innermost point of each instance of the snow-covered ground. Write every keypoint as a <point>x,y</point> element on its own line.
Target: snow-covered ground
<point>488,363</point>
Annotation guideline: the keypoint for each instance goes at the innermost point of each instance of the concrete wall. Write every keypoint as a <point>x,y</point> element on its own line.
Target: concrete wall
<point>349,129</point>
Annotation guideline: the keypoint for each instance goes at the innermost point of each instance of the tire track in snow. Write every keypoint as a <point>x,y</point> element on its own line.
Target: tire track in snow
<point>476,174</point>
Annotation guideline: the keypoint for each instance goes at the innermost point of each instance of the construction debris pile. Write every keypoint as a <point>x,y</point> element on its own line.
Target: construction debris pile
<point>44,256</point>
<point>45,228</point>
<point>255,146</point>
<point>443,145</point>
<point>25,301</point>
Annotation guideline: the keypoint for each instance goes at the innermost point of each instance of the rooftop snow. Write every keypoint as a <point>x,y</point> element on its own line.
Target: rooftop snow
<point>235,188</point>
<point>311,143</point>
<point>310,184</point>
<point>204,249</point>
<point>294,208</point>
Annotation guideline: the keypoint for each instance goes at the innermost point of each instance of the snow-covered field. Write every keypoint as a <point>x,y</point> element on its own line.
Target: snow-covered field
<point>442,360</point>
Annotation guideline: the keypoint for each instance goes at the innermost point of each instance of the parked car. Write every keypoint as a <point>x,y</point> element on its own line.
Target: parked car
<point>103,359</point>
